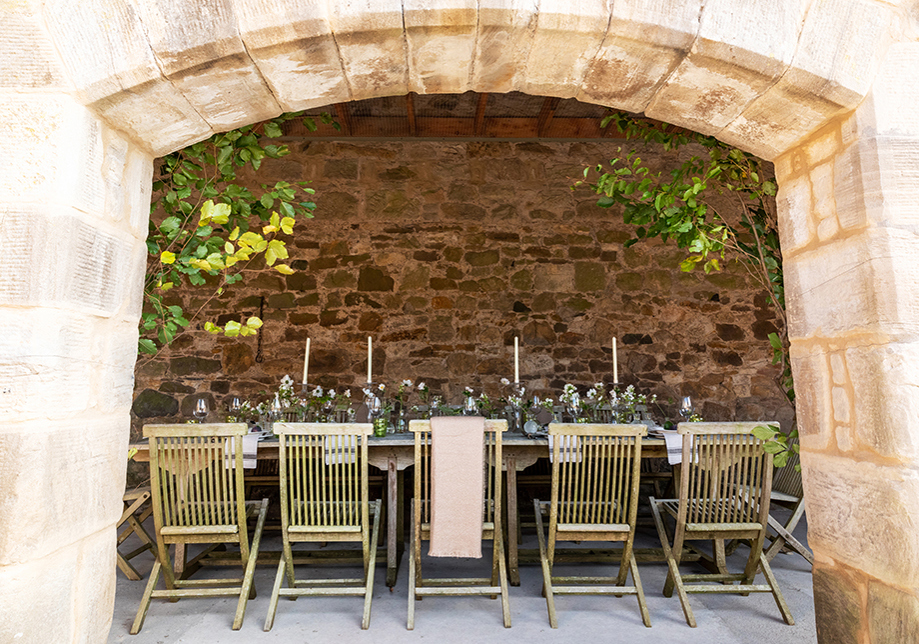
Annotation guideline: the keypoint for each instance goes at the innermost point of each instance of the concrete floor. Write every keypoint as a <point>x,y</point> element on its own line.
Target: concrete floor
<point>721,619</point>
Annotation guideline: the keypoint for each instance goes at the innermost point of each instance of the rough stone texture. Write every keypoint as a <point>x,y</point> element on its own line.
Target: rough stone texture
<point>437,285</point>
<point>838,603</point>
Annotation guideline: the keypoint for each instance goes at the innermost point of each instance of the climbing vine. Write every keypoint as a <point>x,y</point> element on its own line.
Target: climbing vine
<point>684,207</point>
<point>206,229</point>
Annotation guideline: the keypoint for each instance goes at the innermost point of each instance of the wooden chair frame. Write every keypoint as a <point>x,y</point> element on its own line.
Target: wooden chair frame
<point>137,509</point>
<point>725,485</point>
<point>788,492</point>
<point>497,585</point>
<point>594,498</point>
<point>325,497</point>
<point>198,497</point>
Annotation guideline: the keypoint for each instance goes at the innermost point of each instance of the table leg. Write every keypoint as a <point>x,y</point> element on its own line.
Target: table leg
<point>513,568</point>
<point>392,522</point>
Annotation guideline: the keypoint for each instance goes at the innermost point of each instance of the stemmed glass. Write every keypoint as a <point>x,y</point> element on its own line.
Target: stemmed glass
<point>233,408</point>
<point>469,407</point>
<point>201,409</point>
<point>686,409</point>
<point>375,412</point>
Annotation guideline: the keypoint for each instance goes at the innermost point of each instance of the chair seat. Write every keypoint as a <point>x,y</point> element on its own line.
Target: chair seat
<point>593,527</point>
<point>179,531</point>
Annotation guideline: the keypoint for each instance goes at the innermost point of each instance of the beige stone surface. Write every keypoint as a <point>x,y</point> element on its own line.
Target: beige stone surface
<point>199,49</point>
<point>861,514</point>
<point>371,42</point>
<point>893,614</point>
<point>503,42</point>
<point>67,596</point>
<point>440,37</point>
<point>107,57</point>
<point>566,38</point>
<point>294,48</point>
<point>644,43</point>
<point>812,393</point>
<point>735,58</point>
<point>28,59</point>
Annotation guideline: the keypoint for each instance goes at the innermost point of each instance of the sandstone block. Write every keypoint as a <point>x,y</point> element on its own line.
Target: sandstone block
<point>812,394</point>
<point>838,602</point>
<point>441,43</point>
<point>861,514</point>
<point>893,614</point>
<point>40,515</point>
<point>503,42</point>
<point>27,55</point>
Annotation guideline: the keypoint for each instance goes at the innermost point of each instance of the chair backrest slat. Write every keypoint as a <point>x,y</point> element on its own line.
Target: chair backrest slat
<point>595,470</point>
<point>324,474</point>
<point>196,473</point>
<point>726,473</point>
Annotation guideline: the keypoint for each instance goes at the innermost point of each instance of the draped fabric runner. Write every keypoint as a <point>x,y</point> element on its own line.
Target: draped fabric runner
<point>457,486</point>
<point>250,452</point>
<point>340,449</point>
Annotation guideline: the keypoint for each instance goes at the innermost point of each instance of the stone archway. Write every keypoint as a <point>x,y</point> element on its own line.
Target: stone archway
<point>90,92</point>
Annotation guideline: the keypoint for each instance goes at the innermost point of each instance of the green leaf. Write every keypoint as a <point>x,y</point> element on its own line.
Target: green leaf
<point>146,345</point>
<point>764,432</point>
<point>775,341</point>
<point>781,460</point>
<point>272,130</point>
<point>773,448</point>
<point>604,202</point>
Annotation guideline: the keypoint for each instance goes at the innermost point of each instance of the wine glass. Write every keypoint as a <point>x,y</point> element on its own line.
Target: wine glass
<point>469,407</point>
<point>234,407</point>
<point>201,409</point>
<point>686,409</point>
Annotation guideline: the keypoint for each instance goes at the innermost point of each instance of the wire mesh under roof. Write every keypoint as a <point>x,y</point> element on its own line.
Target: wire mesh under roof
<point>471,114</point>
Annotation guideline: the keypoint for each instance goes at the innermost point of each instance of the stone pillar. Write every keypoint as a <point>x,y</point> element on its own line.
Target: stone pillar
<point>849,207</point>
<point>74,196</point>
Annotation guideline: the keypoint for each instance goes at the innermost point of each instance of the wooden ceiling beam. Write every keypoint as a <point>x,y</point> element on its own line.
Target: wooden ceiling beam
<point>546,114</point>
<point>479,126</point>
<point>344,118</point>
<point>410,109</point>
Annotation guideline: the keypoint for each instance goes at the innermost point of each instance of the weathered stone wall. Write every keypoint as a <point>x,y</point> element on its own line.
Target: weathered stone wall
<point>443,251</point>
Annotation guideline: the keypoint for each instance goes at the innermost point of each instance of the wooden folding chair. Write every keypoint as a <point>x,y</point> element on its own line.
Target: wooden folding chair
<point>137,509</point>
<point>725,483</point>
<point>595,479</point>
<point>325,497</point>
<point>419,586</point>
<point>787,492</point>
<point>196,476</point>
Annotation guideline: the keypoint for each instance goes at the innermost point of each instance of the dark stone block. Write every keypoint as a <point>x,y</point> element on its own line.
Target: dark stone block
<point>172,387</point>
<point>729,332</point>
<point>370,321</point>
<point>220,386</point>
<point>580,252</point>
<point>762,329</point>
<point>520,307</point>
<point>426,256</point>
<point>300,264</point>
<point>360,299</point>
<point>397,174</point>
<point>332,318</point>
<point>538,333</point>
<point>483,258</point>
<point>373,279</point>
<point>189,366</point>
<point>537,252</point>
<point>631,338</point>
<point>441,284</point>
<point>354,260</point>
<point>301,282</point>
<point>153,404</point>
<point>405,335</point>
<point>223,319</point>
<point>322,263</point>
<point>281,301</point>
<point>725,358</point>
<point>303,319</point>
<point>237,359</point>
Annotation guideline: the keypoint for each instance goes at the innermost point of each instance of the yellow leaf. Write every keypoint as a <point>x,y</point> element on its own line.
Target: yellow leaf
<point>270,256</point>
<point>207,209</point>
<point>279,248</point>
<point>231,259</point>
<point>221,213</point>
<point>267,230</point>
<point>165,286</point>
<point>275,221</point>
<point>285,269</point>
<point>210,327</point>
<point>287,225</point>
<point>250,239</point>
<point>254,322</point>
<point>235,234</point>
<point>167,258</point>
<point>229,249</point>
<point>202,264</point>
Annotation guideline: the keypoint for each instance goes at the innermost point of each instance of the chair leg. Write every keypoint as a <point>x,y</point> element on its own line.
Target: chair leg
<point>372,564</point>
<point>410,624</point>
<point>642,604</point>
<point>776,593</point>
<point>250,567</point>
<point>502,575</point>
<point>275,593</point>
<point>145,600</point>
<point>546,570</point>
<point>673,574</point>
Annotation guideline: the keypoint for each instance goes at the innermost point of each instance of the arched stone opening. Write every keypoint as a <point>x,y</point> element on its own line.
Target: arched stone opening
<point>91,91</point>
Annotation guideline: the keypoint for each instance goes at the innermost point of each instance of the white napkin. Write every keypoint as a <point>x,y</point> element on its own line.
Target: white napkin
<point>250,452</point>
<point>674,444</point>
<point>340,449</point>
<point>569,449</point>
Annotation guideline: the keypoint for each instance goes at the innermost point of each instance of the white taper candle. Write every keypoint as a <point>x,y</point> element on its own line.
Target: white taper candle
<point>516,359</point>
<point>306,361</point>
<point>615,363</point>
<point>369,358</point>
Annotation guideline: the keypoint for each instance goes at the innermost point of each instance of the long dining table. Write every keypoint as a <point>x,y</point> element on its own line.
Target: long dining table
<point>394,453</point>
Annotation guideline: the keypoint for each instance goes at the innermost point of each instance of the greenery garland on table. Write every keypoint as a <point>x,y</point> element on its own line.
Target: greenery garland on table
<point>207,228</point>
<point>681,206</point>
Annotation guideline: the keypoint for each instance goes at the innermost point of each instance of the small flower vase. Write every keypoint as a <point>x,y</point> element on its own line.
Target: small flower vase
<point>399,424</point>
<point>379,426</point>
